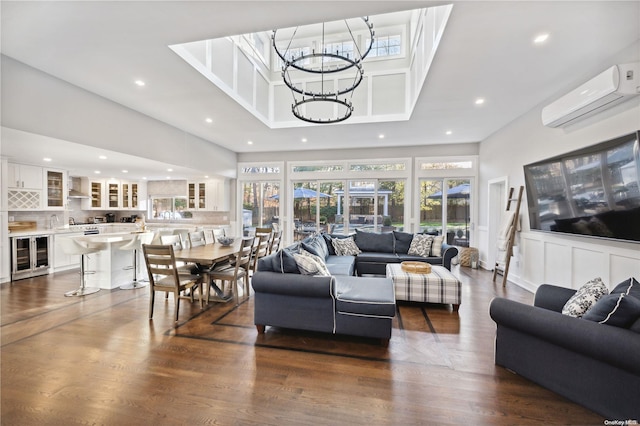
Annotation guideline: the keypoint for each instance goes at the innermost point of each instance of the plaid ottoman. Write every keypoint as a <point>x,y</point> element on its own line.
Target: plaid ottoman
<point>440,286</point>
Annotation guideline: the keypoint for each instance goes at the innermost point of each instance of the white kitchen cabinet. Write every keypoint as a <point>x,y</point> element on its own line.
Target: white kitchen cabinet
<point>55,189</point>
<point>24,187</point>
<point>22,176</point>
<point>218,197</point>
<point>142,200</point>
<point>211,195</point>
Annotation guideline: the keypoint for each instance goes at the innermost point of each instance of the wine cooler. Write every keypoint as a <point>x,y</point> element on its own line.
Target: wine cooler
<point>29,256</point>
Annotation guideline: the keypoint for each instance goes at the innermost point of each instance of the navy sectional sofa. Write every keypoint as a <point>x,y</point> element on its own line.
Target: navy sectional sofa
<point>392,247</point>
<point>345,302</point>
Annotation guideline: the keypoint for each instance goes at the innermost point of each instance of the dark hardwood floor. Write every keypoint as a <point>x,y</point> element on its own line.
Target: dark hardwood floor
<point>98,360</point>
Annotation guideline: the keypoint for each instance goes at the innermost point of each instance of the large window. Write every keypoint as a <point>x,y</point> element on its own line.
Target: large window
<point>167,207</point>
<point>315,207</point>
<point>389,45</point>
<point>432,194</point>
<point>344,206</point>
<point>260,205</point>
<point>446,211</point>
<point>445,197</point>
<point>342,48</point>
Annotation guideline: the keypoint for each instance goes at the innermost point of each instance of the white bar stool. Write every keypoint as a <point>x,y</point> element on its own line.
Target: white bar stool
<point>72,247</point>
<point>134,245</point>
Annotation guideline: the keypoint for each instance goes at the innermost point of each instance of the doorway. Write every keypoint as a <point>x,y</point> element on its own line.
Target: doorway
<point>496,207</point>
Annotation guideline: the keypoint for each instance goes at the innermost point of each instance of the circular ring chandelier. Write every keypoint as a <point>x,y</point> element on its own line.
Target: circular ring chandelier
<point>329,108</point>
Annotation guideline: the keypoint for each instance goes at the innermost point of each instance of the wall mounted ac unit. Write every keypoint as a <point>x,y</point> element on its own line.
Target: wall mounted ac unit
<point>617,84</point>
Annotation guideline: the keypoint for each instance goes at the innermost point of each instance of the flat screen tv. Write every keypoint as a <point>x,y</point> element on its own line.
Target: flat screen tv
<point>594,191</point>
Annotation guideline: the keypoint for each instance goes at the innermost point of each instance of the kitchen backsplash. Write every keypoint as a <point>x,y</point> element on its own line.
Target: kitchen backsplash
<point>47,219</point>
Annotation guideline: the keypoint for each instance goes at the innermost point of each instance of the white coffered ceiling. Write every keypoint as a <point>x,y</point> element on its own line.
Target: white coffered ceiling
<point>487,51</point>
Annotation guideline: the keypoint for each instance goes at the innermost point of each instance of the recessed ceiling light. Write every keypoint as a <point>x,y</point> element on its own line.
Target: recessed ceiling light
<point>250,142</point>
<point>448,132</point>
<point>125,171</point>
<point>380,136</point>
<point>304,140</point>
<point>479,101</point>
<point>144,178</point>
<point>97,172</point>
<point>541,38</point>
<point>169,170</point>
<point>168,177</point>
<point>140,83</point>
<point>102,157</point>
<point>47,159</point>
<point>206,177</point>
<point>208,120</point>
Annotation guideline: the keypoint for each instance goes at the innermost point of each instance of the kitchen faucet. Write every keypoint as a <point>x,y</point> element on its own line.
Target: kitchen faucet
<point>53,221</point>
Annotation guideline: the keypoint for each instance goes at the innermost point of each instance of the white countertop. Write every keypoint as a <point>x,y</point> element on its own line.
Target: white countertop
<point>113,237</point>
<point>72,229</point>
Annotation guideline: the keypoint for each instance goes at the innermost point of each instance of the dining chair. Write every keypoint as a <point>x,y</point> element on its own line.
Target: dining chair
<point>184,237</point>
<point>230,262</point>
<point>160,233</point>
<point>265,230</point>
<point>276,240</point>
<point>260,249</point>
<point>209,238</point>
<point>196,238</point>
<point>164,276</point>
<point>237,269</point>
<point>175,241</point>
<point>217,233</point>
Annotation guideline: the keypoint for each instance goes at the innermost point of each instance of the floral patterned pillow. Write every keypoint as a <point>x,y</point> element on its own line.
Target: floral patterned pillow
<point>421,245</point>
<point>345,246</point>
<point>585,298</point>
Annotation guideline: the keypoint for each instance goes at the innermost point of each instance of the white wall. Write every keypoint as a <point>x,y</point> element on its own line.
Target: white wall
<point>39,103</point>
<point>556,259</point>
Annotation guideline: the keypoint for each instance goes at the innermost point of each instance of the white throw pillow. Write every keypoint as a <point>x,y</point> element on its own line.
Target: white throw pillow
<point>345,246</point>
<point>421,245</point>
<point>585,298</point>
<point>436,246</point>
<point>310,264</point>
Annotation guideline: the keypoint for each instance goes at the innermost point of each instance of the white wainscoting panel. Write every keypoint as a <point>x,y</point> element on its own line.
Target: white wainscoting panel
<point>557,262</point>
<point>572,261</point>
<point>587,265</point>
<point>533,253</point>
<point>621,268</point>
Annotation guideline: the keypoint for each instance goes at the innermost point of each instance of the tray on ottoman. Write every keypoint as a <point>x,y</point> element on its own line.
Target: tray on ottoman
<point>439,286</point>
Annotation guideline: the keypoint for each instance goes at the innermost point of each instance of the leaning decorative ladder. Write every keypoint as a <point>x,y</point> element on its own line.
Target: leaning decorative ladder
<point>507,236</point>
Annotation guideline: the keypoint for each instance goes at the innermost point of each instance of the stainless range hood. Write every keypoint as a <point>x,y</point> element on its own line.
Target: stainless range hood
<point>74,188</point>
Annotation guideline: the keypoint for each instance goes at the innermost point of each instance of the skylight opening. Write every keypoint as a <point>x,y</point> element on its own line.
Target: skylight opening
<point>247,69</point>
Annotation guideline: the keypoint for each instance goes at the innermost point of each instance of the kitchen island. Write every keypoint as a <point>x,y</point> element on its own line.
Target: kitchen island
<point>112,266</point>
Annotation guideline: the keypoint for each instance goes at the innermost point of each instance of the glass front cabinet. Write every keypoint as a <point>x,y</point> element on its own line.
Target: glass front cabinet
<point>131,196</point>
<point>196,196</point>
<point>113,194</point>
<point>96,193</point>
<point>56,189</point>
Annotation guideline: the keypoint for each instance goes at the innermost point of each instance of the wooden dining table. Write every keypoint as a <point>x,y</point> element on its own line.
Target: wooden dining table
<point>207,256</point>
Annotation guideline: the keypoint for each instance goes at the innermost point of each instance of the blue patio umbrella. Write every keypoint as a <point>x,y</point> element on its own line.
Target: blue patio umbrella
<point>459,191</point>
<point>304,193</point>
